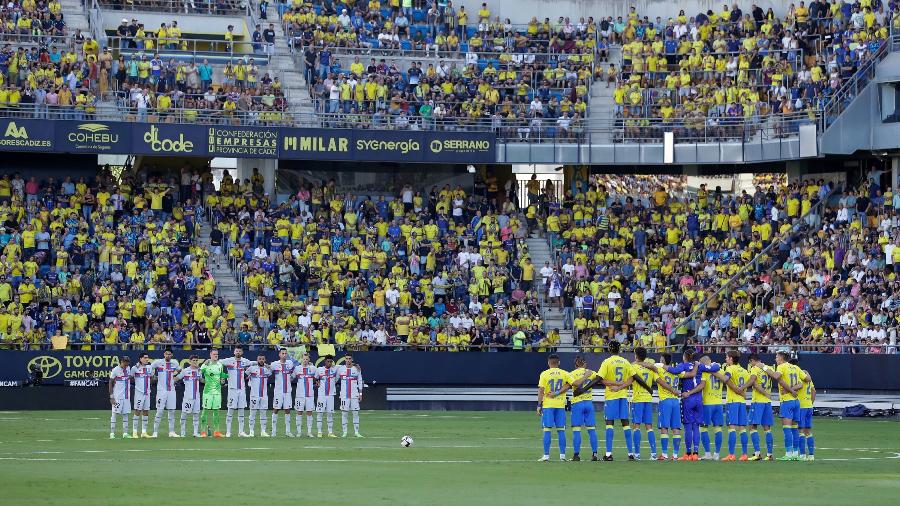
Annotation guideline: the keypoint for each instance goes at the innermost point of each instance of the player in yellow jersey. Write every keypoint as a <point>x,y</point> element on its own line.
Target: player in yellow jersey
<point>583,415</point>
<point>642,403</point>
<point>616,375</point>
<point>760,408</point>
<point>669,417</point>
<point>738,381</point>
<point>807,396</point>
<point>552,406</point>
<point>789,378</point>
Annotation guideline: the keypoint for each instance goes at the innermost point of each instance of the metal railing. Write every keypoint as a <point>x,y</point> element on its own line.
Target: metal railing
<point>28,40</point>
<point>753,264</point>
<point>208,7</point>
<point>850,89</point>
<point>188,46</point>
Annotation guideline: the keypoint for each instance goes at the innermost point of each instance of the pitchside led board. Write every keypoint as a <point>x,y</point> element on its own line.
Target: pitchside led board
<point>166,139</point>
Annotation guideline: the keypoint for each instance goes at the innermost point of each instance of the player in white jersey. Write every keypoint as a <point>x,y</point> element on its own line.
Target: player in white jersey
<point>190,402</point>
<point>165,371</point>
<point>258,378</point>
<point>305,396</point>
<point>351,381</point>
<point>281,396</point>
<point>141,374</point>
<point>120,396</point>
<point>326,376</point>
<point>236,367</point>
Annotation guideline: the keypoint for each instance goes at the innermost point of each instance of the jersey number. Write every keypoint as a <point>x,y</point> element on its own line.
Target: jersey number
<point>715,383</point>
<point>794,381</point>
<point>556,386</point>
<point>619,376</point>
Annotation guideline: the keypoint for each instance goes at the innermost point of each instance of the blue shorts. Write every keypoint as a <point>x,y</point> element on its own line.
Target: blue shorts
<point>669,414</point>
<point>553,418</point>
<point>761,414</point>
<point>642,412</point>
<point>615,409</point>
<point>583,414</point>
<point>736,413</point>
<point>805,421</point>
<point>790,410</point>
<point>713,415</point>
<point>692,410</point>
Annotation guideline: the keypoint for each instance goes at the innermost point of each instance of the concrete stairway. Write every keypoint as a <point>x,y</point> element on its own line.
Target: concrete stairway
<point>227,285</point>
<point>286,65</point>
<point>74,15</point>
<point>553,316</point>
<point>601,109</point>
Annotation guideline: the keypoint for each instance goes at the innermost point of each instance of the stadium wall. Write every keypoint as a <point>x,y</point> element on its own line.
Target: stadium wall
<point>834,372</point>
<point>521,11</point>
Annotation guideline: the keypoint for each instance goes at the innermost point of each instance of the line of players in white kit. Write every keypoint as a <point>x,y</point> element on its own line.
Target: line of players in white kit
<point>241,375</point>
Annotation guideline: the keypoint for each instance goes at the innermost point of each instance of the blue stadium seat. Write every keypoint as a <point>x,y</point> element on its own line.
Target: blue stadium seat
<point>405,45</point>
<point>419,15</point>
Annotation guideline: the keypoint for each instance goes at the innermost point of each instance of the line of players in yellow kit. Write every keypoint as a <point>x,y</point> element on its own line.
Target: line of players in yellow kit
<point>695,398</point>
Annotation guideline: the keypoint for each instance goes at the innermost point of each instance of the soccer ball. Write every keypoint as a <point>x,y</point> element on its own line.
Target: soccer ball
<point>406,441</point>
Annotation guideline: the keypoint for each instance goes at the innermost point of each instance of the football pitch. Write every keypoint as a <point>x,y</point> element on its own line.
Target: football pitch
<point>65,457</point>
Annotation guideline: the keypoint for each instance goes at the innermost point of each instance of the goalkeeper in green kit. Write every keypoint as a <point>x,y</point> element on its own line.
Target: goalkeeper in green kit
<point>212,375</point>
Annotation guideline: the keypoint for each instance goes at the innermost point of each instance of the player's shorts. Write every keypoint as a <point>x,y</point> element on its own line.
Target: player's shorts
<point>583,414</point>
<point>281,400</point>
<point>212,401</point>
<point>692,410</point>
<point>736,413</point>
<point>761,414</point>
<point>121,406</point>
<point>669,414</point>
<point>259,402</point>
<point>237,399</point>
<point>805,421</point>
<point>790,410</point>
<point>325,404</point>
<point>189,405</point>
<point>713,414</point>
<point>165,399</point>
<point>615,409</point>
<point>142,401</point>
<point>642,412</point>
<point>305,404</point>
<point>349,404</point>
<point>553,418</point>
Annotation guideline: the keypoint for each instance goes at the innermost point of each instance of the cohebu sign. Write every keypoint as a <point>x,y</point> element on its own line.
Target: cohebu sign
<point>166,139</point>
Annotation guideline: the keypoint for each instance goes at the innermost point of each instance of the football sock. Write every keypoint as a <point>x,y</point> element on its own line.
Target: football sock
<point>676,444</point>
<point>592,437</point>
<point>171,420</point>
<point>309,424</point>
<point>609,438</point>
<point>651,439</point>
<point>215,418</point>
<point>561,437</point>
<point>330,419</point>
<point>795,437</point>
<point>664,441</point>
<point>204,417</point>
<point>344,422</point>
<point>810,444</point>
<point>112,422</point>
<point>356,422</point>
<point>628,442</point>
<point>319,422</point>
<point>754,437</point>
<point>263,420</point>
<point>228,417</point>
<point>240,413</point>
<point>802,444</point>
<point>696,429</point>
<point>744,441</point>
<point>287,422</point>
<point>125,422</point>
<point>145,422</point>
<point>704,438</point>
<point>576,439</point>
<point>636,440</point>
<point>688,438</point>
<point>788,442</point>
<point>298,422</point>
<point>274,424</point>
<point>546,441</point>
<point>770,442</point>
<point>183,423</point>
<point>157,419</point>
<point>718,439</point>
<point>135,421</point>
<point>732,441</point>
<point>253,421</point>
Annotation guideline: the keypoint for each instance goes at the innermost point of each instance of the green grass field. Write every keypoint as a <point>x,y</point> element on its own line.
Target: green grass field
<point>64,457</point>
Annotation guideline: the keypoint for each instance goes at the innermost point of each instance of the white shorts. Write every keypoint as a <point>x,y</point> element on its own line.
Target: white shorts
<point>281,400</point>
<point>325,404</point>
<point>121,406</point>
<point>189,405</point>
<point>259,402</point>
<point>305,404</point>
<point>141,401</point>
<point>349,404</point>
<point>237,399</point>
<point>165,400</point>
